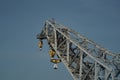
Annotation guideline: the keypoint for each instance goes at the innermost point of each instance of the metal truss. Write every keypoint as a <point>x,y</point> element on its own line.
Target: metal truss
<point>83,58</point>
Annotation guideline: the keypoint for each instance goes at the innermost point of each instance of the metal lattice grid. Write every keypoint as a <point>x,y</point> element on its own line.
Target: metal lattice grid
<point>83,58</point>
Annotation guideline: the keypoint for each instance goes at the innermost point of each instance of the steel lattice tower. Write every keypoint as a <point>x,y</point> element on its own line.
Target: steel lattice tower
<point>83,58</point>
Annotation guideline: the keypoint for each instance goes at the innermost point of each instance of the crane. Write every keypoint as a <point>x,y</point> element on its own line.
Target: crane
<point>83,58</point>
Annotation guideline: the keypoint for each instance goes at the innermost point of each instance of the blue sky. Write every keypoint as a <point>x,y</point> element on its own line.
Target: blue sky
<point>21,20</point>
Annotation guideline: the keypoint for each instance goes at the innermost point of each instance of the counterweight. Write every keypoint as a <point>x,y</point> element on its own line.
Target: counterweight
<point>83,58</point>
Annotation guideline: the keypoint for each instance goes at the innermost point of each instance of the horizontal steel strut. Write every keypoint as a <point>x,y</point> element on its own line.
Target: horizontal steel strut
<point>83,58</point>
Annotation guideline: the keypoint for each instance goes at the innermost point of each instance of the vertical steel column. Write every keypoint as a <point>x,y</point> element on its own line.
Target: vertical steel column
<point>68,50</point>
<point>55,36</point>
<point>81,62</point>
<point>96,71</point>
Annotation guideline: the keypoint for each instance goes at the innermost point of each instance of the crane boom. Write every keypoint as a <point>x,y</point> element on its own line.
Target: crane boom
<point>83,58</point>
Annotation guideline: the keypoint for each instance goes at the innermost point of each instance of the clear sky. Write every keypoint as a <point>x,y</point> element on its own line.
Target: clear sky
<point>21,20</point>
